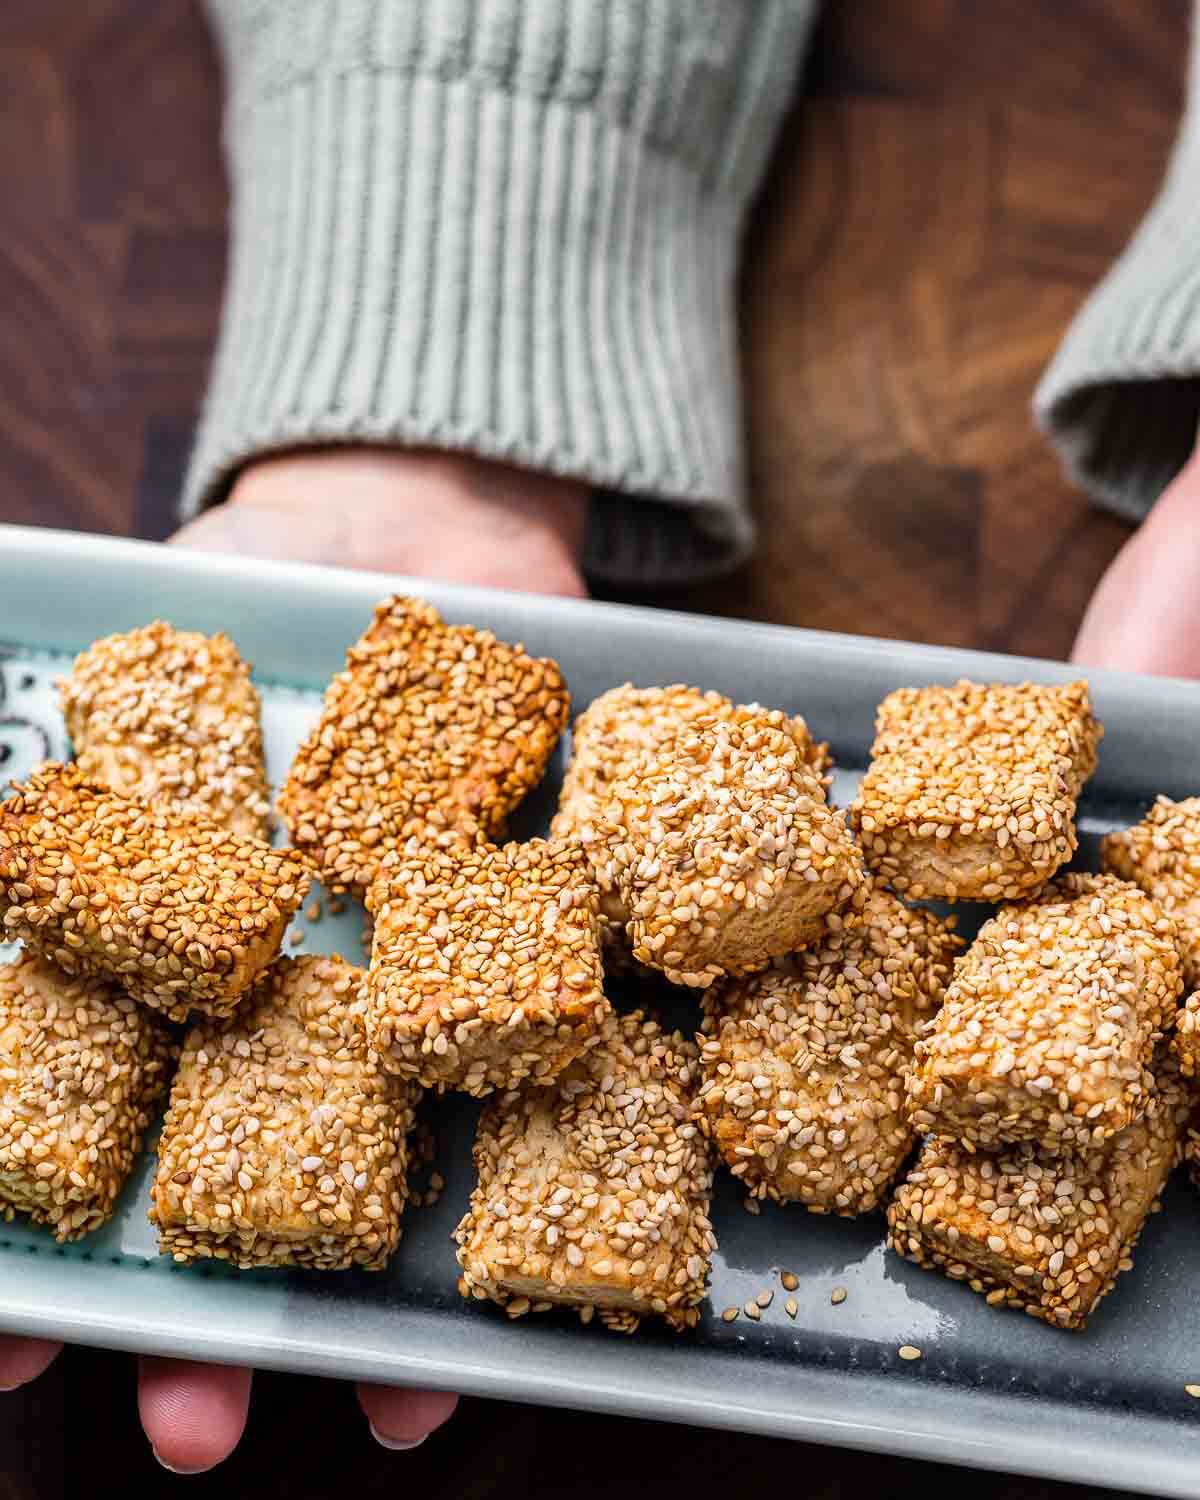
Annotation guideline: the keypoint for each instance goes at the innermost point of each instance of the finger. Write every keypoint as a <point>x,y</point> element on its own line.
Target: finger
<point>192,1413</point>
<point>1142,616</point>
<point>402,1418</point>
<point>23,1360</point>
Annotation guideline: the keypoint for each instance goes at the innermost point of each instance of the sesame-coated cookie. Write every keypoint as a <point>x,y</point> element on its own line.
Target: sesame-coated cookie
<point>1049,1027</point>
<point>804,1067</point>
<point>81,1069</point>
<point>432,733</point>
<point>723,849</point>
<point>608,739</point>
<point>160,713</point>
<point>971,790</point>
<point>1045,1233</point>
<point>485,965</point>
<point>594,1192</point>
<point>284,1144</point>
<point>179,911</point>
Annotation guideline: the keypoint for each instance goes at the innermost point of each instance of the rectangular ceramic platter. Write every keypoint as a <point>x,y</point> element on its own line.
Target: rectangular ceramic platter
<point>993,1389</point>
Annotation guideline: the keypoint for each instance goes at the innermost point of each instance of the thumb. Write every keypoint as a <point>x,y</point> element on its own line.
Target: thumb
<point>1145,613</point>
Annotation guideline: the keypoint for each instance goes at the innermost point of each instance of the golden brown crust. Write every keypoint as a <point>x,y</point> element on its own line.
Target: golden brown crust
<point>180,912</point>
<point>433,733</point>
<point>1047,1234</point>
<point>485,965</point>
<point>1162,855</point>
<point>284,1143</point>
<point>803,1068</point>
<point>160,713</point>
<point>971,789</point>
<point>81,1069</point>
<point>594,1192</point>
<point>723,849</point>
<point>1051,1022</point>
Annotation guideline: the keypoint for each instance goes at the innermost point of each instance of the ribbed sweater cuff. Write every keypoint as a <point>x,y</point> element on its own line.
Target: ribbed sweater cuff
<point>1121,400</point>
<point>445,260</point>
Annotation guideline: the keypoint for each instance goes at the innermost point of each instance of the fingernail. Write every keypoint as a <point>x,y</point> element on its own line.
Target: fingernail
<point>397,1445</point>
<point>4,1389</point>
<point>170,1468</point>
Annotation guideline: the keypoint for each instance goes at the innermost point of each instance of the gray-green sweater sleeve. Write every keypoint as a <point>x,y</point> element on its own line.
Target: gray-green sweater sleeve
<point>1121,400</point>
<point>503,226</point>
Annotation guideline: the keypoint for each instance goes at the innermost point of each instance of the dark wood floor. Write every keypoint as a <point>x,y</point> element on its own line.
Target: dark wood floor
<point>955,176</point>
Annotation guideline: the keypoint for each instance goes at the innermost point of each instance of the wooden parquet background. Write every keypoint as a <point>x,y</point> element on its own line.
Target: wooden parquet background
<point>955,176</point>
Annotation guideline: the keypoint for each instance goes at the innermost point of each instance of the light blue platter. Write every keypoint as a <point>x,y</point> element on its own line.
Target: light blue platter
<point>993,1389</point>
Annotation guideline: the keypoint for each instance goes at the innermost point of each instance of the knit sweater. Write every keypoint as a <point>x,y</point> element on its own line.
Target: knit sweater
<point>511,227</point>
<point>1121,399</point>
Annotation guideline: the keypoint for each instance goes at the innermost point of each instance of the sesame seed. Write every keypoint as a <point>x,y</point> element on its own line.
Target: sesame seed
<point>1193,1391</point>
<point>752,1311</point>
<point>789,1280</point>
<point>730,1314</point>
<point>764,1299</point>
<point>838,1295</point>
<point>791,1307</point>
<point>909,1351</point>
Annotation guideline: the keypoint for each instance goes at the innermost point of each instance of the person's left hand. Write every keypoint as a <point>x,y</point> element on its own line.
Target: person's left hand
<point>429,514</point>
<point>1145,613</point>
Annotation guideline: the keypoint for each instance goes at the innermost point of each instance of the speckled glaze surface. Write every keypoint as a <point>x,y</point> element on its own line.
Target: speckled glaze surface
<point>993,1389</point>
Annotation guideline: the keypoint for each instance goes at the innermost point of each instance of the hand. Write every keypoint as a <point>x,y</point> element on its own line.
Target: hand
<point>431,515</point>
<point>1144,615</point>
